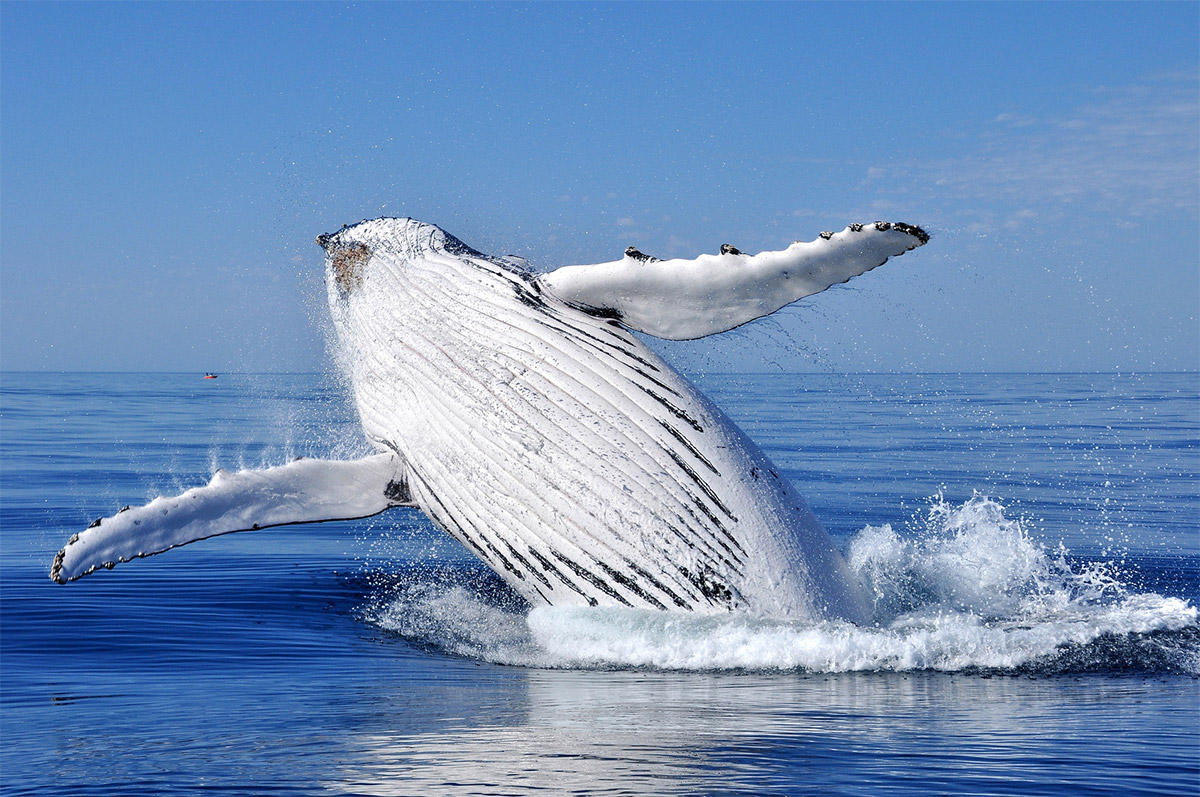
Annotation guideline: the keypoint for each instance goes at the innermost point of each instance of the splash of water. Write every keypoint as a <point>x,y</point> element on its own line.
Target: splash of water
<point>972,559</point>
<point>971,590</point>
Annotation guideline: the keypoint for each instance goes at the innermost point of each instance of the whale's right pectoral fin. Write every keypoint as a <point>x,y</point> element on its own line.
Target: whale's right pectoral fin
<point>303,491</point>
<point>682,299</point>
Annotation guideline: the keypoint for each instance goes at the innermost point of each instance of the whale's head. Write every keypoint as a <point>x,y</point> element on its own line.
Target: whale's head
<point>384,245</point>
<point>410,302</point>
<point>376,268</point>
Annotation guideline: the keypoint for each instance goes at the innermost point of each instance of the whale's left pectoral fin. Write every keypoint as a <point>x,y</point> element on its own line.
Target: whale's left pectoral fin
<point>684,299</point>
<point>303,491</point>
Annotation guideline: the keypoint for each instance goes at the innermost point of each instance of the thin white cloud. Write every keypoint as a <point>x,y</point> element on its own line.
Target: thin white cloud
<point>1129,152</point>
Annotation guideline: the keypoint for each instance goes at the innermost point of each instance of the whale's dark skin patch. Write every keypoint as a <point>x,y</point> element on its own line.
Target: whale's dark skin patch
<point>347,266</point>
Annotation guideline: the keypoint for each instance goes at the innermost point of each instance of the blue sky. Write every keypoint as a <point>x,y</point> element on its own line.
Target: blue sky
<point>164,168</point>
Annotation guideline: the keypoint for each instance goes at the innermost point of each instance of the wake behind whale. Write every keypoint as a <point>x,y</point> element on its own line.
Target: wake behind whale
<point>520,414</point>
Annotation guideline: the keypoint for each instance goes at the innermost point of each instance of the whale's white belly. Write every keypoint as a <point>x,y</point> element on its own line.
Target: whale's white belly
<point>565,453</point>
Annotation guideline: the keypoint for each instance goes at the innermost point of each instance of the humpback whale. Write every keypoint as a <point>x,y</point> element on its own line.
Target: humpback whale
<point>521,414</point>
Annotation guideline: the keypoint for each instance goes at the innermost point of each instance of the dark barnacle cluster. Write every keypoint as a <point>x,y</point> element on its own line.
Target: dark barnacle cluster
<point>729,249</point>
<point>907,229</point>
<point>912,230</point>
<point>639,256</point>
<point>827,234</point>
<point>347,263</point>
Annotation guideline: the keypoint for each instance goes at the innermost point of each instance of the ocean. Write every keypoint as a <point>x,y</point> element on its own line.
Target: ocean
<point>1031,543</point>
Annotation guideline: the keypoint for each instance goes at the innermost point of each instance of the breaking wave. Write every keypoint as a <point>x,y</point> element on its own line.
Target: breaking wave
<point>969,591</point>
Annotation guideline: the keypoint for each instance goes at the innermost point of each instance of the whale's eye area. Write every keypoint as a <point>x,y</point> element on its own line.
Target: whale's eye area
<point>347,266</point>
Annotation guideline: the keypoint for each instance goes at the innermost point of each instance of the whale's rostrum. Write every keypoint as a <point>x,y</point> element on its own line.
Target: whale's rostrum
<point>521,415</point>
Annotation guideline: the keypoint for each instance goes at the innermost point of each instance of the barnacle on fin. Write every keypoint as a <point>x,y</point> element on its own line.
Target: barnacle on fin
<point>632,252</point>
<point>912,230</point>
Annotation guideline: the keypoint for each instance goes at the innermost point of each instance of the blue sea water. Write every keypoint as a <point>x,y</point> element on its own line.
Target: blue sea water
<point>1032,543</point>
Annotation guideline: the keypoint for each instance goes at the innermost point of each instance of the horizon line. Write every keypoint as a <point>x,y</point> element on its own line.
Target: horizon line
<point>717,371</point>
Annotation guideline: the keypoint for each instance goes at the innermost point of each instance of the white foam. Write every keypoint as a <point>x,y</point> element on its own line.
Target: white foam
<point>971,589</point>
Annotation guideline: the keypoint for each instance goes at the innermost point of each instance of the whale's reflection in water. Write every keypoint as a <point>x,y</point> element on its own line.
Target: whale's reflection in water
<point>670,733</point>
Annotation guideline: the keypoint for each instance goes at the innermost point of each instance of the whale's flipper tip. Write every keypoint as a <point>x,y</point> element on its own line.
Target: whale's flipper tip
<point>912,230</point>
<point>56,568</point>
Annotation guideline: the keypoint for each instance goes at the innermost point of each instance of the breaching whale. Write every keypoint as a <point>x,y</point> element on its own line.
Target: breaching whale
<point>522,416</point>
